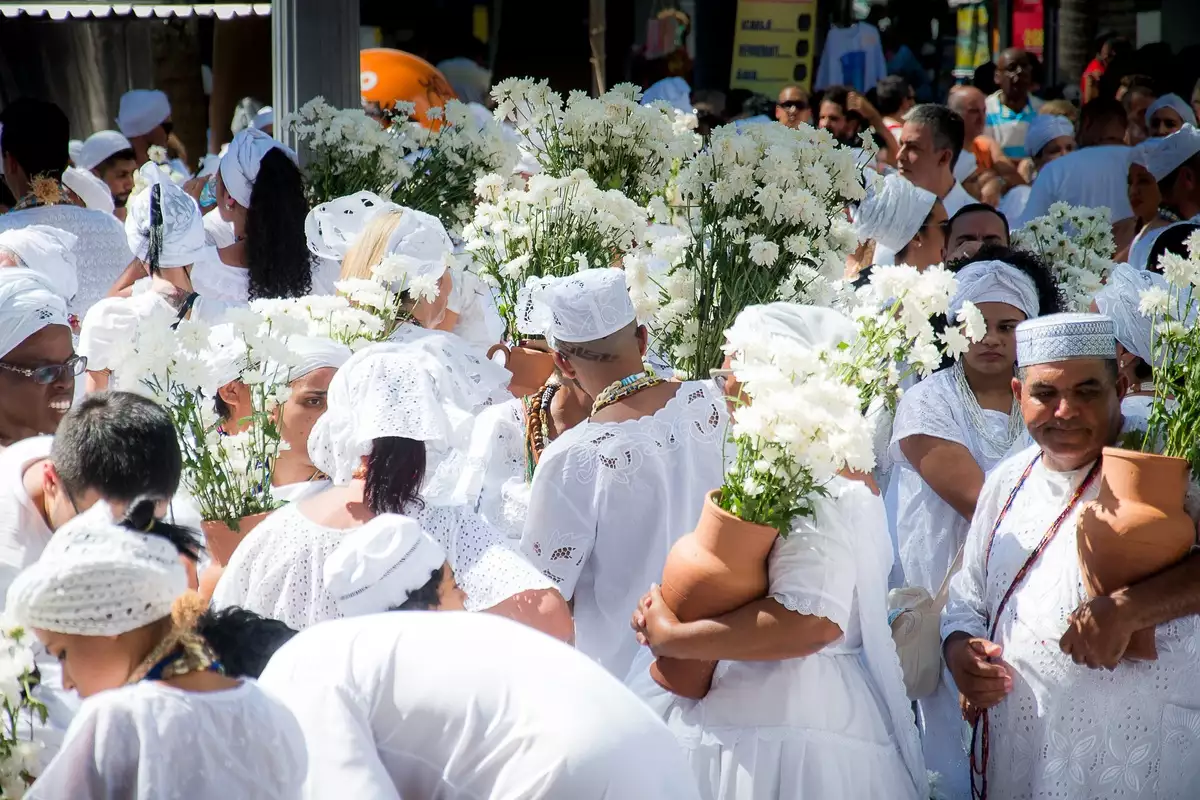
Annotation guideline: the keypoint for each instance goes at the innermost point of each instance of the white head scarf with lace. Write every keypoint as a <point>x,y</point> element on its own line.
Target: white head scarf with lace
<point>583,307</point>
<point>377,566</point>
<point>332,228</point>
<point>182,233</point>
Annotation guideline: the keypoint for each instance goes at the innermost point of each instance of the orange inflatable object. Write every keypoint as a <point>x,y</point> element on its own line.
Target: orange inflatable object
<point>390,75</point>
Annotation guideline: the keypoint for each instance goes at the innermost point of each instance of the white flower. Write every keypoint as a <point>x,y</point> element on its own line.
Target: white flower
<point>1154,302</point>
<point>423,287</point>
<point>955,342</point>
<point>972,319</point>
<point>762,252</point>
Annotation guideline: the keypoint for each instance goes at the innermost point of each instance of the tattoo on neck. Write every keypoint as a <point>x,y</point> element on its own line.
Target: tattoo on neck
<point>575,351</point>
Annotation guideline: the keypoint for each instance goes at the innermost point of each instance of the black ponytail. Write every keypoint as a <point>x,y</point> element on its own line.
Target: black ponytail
<point>277,254</point>
<point>154,236</point>
<point>242,640</point>
<point>140,517</point>
<point>395,471</point>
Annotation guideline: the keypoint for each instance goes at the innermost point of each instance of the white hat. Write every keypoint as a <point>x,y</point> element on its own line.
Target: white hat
<point>239,165</point>
<point>47,251</point>
<point>99,147</point>
<point>332,228</point>
<point>309,354</point>
<point>994,282</point>
<point>1044,129</point>
<point>183,240</point>
<point>265,118</point>
<point>226,356</point>
<point>1120,300</point>
<point>28,303</point>
<point>98,578</point>
<point>1175,103</point>
<point>73,149</point>
<point>141,111</point>
<point>893,214</point>
<point>1163,156</point>
<point>91,190</point>
<point>420,241</point>
<point>376,567</point>
<point>584,307</point>
<point>1065,337</point>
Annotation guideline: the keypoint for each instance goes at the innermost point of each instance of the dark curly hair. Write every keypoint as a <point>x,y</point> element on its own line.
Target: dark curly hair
<point>242,640</point>
<point>425,597</point>
<point>395,471</point>
<point>277,253</point>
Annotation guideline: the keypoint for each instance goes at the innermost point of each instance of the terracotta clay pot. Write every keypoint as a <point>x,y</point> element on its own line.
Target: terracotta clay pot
<point>720,566</point>
<point>530,367</point>
<point>1136,527</point>
<point>223,540</point>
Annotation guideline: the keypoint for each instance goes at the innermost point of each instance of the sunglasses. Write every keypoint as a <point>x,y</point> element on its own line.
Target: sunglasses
<point>44,376</point>
<point>793,105</point>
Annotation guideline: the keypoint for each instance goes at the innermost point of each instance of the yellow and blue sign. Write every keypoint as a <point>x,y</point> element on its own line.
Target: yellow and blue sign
<point>773,45</point>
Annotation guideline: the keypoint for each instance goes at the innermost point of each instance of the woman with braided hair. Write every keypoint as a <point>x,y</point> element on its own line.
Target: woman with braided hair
<point>109,600</point>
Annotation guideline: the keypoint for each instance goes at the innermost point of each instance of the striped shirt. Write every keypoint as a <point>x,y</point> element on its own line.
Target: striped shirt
<point>1008,127</point>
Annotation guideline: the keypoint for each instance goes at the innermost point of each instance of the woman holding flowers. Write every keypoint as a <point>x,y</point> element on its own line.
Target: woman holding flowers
<point>807,700</point>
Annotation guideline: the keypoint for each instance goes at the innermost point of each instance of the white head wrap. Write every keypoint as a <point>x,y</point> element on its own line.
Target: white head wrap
<point>810,326</point>
<point>1163,156</point>
<point>332,228</point>
<point>74,148</point>
<point>1065,337</point>
<point>47,251</point>
<point>141,111</point>
<point>28,303</point>
<point>1119,300</point>
<point>100,146</point>
<point>893,214</point>
<point>226,355</point>
<point>265,118</point>
<point>376,567</point>
<point>98,578</point>
<point>583,307</point>
<point>994,282</point>
<point>183,240</point>
<point>1044,129</point>
<point>239,165</point>
<point>91,190</point>
<point>421,242</point>
<point>1176,104</point>
<point>675,92</point>
<point>108,335</point>
<point>310,353</point>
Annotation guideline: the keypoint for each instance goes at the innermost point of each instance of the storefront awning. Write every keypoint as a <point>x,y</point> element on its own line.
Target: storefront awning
<point>83,10</point>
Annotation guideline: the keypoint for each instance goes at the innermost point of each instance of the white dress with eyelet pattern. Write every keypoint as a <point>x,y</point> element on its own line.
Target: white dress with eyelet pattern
<point>608,501</point>
<point>151,741</point>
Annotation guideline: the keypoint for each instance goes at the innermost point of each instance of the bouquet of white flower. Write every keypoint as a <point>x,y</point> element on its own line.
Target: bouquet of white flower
<point>331,316</point>
<point>383,294</point>
<point>450,160</point>
<point>19,750</point>
<point>1077,245</point>
<point>1175,343</point>
<point>763,212</point>
<point>349,152</point>
<point>157,156</point>
<point>809,410</point>
<point>552,227</point>
<point>620,143</point>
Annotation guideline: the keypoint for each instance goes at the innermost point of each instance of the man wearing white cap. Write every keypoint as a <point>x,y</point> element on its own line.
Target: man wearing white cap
<point>456,705</point>
<point>1174,161</point>
<point>611,495</point>
<point>1020,632</point>
<point>110,157</point>
<point>144,118</point>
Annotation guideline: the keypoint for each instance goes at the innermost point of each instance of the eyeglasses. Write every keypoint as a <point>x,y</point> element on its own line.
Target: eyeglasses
<point>44,376</point>
<point>793,105</point>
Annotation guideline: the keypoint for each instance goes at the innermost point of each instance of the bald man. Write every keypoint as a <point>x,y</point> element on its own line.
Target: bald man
<point>983,169</point>
<point>1012,107</point>
<point>793,109</point>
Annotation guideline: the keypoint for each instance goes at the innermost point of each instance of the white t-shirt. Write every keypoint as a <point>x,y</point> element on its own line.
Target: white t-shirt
<point>458,706</point>
<point>151,741</point>
<point>609,500</point>
<point>956,198</point>
<point>217,231</point>
<point>965,166</point>
<point>1092,177</point>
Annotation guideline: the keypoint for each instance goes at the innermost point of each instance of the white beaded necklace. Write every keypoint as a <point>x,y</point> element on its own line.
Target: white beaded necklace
<point>993,446</point>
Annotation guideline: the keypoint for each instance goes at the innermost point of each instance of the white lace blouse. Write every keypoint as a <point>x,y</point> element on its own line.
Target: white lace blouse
<point>497,454</point>
<point>151,741</point>
<point>279,568</point>
<point>608,501</point>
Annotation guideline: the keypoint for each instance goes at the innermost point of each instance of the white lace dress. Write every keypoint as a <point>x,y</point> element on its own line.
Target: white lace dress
<point>1066,731</point>
<point>608,501</point>
<point>497,454</point>
<point>836,724</point>
<point>150,741</point>
<point>279,568</point>
<point>101,252</point>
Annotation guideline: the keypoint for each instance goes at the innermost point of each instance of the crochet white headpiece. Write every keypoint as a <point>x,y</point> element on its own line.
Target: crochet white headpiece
<point>583,307</point>
<point>332,228</point>
<point>1065,337</point>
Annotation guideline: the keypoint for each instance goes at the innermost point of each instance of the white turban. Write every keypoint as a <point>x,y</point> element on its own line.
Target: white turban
<point>99,147</point>
<point>376,567</point>
<point>239,165</point>
<point>309,354</point>
<point>1044,129</point>
<point>265,118</point>
<point>91,190</point>
<point>1163,156</point>
<point>141,111</point>
<point>995,282</point>
<point>47,251</point>
<point>332,228</point>
<point>893,214</point>
<point>809,326</point>
<point>183,240</point>
<point>421,241</point>
<point>1119,300</point>
<point>28,303</point>
<point>226,356</point>
<point>98,578</point>
<point>1176,104</point>
<point>583,307</point>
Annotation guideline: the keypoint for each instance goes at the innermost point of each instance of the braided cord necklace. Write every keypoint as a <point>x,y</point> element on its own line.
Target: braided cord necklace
<point>626,387</point>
